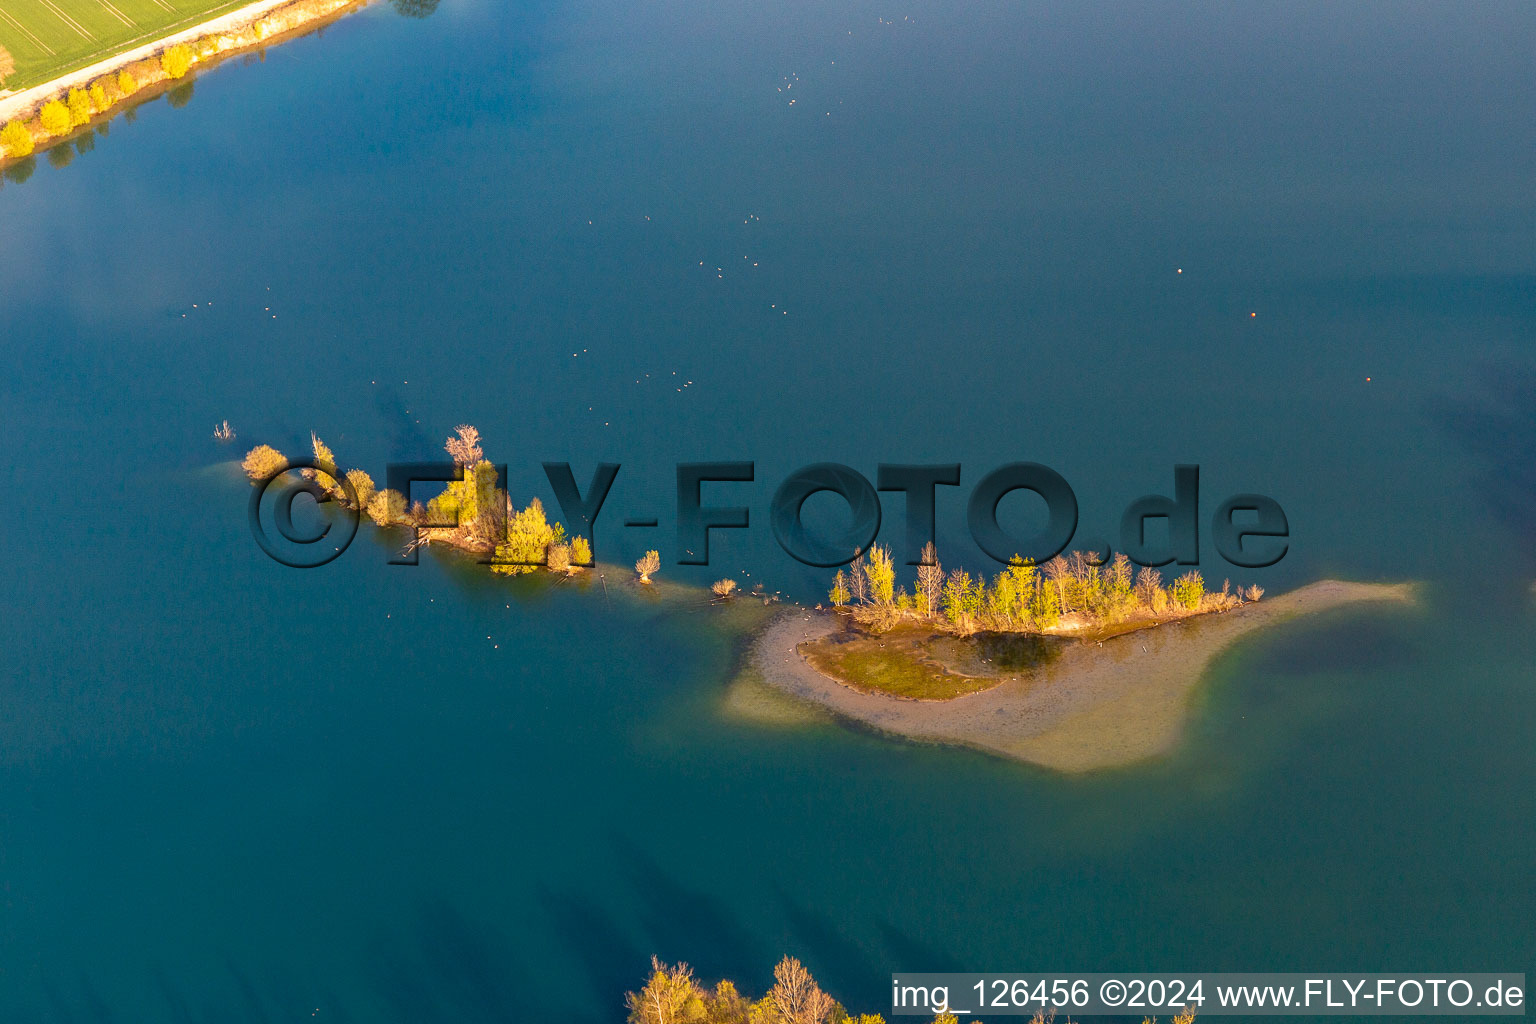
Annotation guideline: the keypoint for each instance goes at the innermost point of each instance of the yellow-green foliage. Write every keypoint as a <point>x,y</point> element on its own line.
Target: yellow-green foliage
<point>1188,590</point>
<point>98,94</point>
<point>362,485</point>
<point>386,507</point>
<point>176,61</point>
<point>263,462</point>
<point>16,139</point>
<point>581,552</point>
<point>324,459</point>
<point>529,536</point>
<point>54,117</point>
<point>839,592</point>
<point>79,107</point>
<point>126,84</point>
<point>882,575</point>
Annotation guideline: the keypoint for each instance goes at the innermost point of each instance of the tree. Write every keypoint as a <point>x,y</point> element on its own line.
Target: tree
<point>325,461</point>
<point>7,65</point>
<point>16,139</point>
<point>581,553</point>
<point>1045,607</point>
<point>528,538</point>
<point>930,581</point>
<point>465,448</point>
<point>362,484</point>
<point>98,94</point>
<point>795,997</point>
<point>559,558</point>
<point>957,596</point>
<point>263,462</point>
<point>1188,589</point>
<point>126,83</point>
<point>671,996</point>
<point>723,588</point>
<point>79,107</point>
<point>649,562</point>
<point>386,507</point>
<point>839,593</point>
<point>1149,582</point>
<point>882,575</point>
<point>858,581</point>
<point>176,61</point>
<point>54,117</point>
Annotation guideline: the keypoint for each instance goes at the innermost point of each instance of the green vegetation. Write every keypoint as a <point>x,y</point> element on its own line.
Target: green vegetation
<point>53,38</point>
<point>471,514</point>
<point>1074,595</point>
<point>956,633</point>
<point>672,995</point>
<point>16,139</point>
<point>176,61</point>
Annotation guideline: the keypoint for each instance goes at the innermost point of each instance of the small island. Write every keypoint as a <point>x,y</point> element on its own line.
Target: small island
<point>1075,667</point>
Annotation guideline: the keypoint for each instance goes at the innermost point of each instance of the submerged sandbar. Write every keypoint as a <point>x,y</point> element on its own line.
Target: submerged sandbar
<point>1096,705</point>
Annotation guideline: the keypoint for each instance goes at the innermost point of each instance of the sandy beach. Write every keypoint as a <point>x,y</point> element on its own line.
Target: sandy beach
<point>1097,706</point>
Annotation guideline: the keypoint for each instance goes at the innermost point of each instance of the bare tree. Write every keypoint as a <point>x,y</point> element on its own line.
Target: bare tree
<point>1058,572</point>
<point>465,448</point>
<point>666,996</point>
<point>858,580</point>
<point>649,563</point>
<point>930,580</point>
<point>1148,582</point>
<point>795,997</point>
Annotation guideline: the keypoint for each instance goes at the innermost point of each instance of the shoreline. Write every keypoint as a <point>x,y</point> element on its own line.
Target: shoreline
<point>252,26</point>
<point>1099,705</point>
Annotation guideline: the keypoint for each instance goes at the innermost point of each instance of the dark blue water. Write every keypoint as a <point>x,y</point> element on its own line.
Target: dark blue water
<point>235,791</point>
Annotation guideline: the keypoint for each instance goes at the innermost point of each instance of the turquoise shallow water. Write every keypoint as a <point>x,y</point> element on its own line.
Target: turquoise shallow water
<point>233,791</point>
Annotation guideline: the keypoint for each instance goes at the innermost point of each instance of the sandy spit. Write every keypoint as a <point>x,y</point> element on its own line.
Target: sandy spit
<point>1097,706</point>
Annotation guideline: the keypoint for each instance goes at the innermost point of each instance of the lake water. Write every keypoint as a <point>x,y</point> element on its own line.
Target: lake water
<point>600,232</point>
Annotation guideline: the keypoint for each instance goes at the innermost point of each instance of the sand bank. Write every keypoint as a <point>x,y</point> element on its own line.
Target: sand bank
<point>1096,706</point>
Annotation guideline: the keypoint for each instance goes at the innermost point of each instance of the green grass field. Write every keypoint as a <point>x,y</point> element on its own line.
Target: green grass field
<point>47,38</point>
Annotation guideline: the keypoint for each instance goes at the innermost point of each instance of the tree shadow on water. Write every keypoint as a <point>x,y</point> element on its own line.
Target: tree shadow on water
<point>1495,423</point>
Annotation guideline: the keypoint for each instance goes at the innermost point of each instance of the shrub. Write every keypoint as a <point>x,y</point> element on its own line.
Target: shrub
<point>126,83</point>
<point>263,462</point>
<point>723,588</point>
<point>362,483</point>
<point>1188,590</point>
<point>648,563</point>
<point>581,552</point>
<point>559,558</point>
<point>16,138</point>
<point>386,507</point>
<point>176,61</point>
<point>79,107</point>
<point>54,118</point>
<point>98,94</point>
